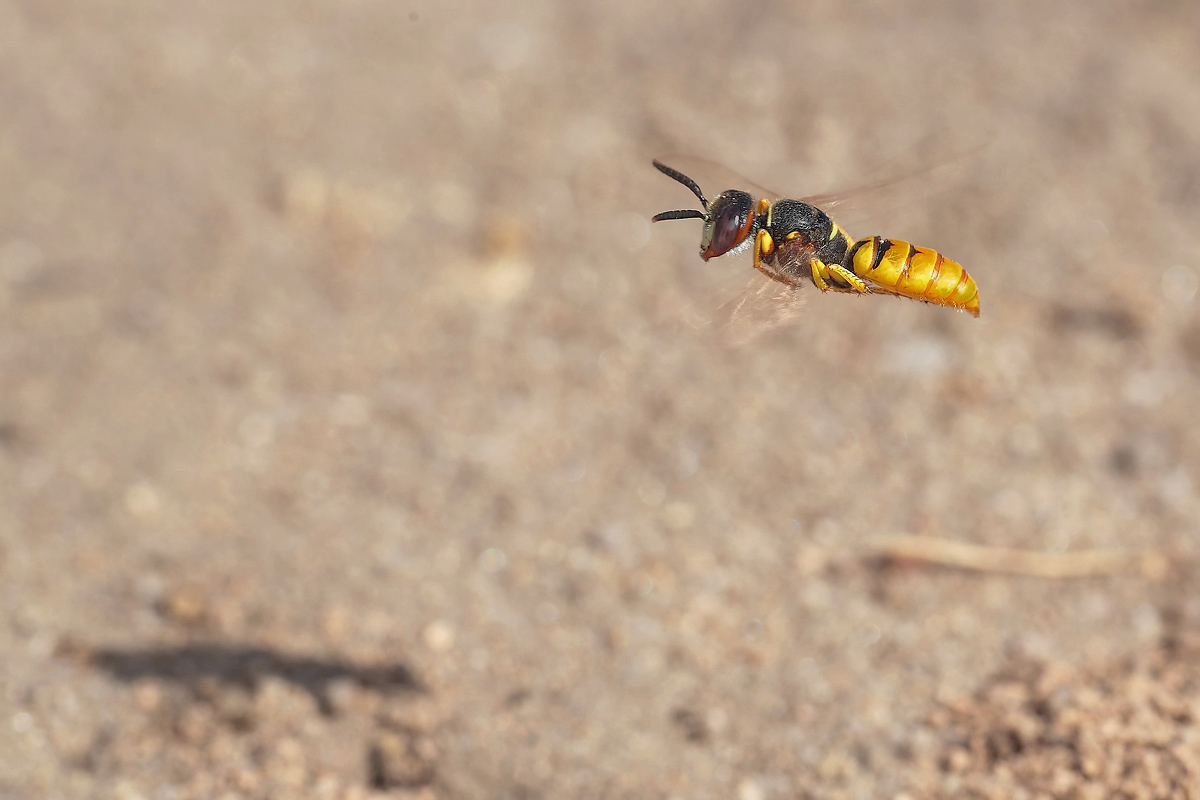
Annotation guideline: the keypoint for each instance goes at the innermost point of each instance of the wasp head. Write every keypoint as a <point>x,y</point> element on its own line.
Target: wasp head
<point>727,222</point>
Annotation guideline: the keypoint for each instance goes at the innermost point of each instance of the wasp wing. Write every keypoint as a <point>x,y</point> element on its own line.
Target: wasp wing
<point>727,299</point>
<point>762,305</point>
<point>927,170</point>
<point>769,298</point>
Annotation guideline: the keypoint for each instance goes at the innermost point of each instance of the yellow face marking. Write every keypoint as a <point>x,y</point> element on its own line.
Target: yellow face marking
<point>763,206</point>
<point>793,235</point>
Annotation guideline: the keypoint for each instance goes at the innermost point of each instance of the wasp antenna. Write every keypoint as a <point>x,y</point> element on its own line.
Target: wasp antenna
<point>684,179</point>
<point>687,213</point>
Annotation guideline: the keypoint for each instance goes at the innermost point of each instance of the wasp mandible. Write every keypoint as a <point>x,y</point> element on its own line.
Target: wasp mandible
<point>794,240</point>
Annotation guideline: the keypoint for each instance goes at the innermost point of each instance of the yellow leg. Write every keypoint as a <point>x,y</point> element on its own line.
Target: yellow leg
<point>817,266</point>
<point>764,245</point>
<point>856,283</point>
<point>821,273</point>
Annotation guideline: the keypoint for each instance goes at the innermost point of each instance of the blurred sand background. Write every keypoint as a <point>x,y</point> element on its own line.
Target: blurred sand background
<point>350,445</point>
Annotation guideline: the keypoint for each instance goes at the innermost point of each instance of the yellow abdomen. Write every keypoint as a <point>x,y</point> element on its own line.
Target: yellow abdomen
<point>917,272</point>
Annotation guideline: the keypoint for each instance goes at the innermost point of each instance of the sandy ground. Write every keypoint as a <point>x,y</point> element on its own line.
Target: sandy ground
<point>351,444</point>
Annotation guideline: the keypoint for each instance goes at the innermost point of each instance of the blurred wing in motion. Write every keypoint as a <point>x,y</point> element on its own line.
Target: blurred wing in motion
<point>902,185</point>
<point>739,304</point>
<point>762,305</point>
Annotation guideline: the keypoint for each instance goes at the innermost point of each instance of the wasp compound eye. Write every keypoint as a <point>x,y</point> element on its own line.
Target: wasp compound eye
<point>729,222</point>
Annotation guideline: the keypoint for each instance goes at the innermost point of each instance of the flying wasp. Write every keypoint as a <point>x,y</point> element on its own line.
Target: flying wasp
<point>794,240</point>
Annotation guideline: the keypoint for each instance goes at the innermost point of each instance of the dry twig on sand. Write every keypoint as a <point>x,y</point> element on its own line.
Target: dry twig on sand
<point>1082,564</point>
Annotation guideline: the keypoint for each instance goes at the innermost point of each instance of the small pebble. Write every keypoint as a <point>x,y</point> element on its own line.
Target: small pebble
<point>439,636</point>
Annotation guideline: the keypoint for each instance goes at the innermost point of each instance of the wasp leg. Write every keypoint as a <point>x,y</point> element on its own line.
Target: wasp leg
<point>821,273</point>
<point>764,245</point>
<point>856,283</point>
<point>818,274</point>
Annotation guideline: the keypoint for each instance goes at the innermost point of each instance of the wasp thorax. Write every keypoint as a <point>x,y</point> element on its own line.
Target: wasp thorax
<point>727,224</point>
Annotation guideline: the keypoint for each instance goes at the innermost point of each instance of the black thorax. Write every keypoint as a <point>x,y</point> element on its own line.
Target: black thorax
<point>813,226</point>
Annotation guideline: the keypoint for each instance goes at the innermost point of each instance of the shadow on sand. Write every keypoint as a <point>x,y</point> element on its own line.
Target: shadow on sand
<point>197,665</point>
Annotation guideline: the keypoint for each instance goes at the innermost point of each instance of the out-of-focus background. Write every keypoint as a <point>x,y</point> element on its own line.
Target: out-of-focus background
<point>351,445</point>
